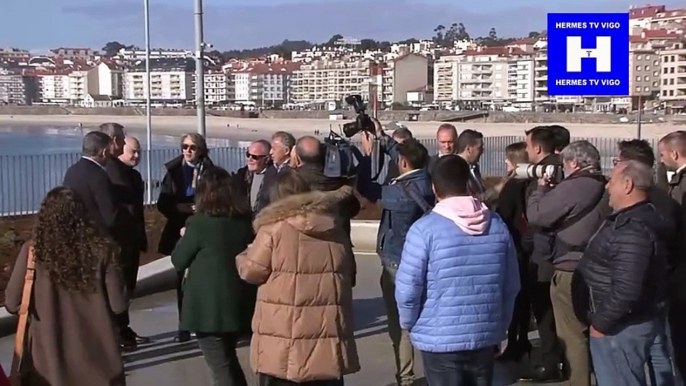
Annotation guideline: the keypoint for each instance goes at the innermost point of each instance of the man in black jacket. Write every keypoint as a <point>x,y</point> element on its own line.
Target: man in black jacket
<point>258,176</point>
<point>541,144</point>
<point>624,268</point>
<point>132,190</point>
<point>89,180</point>
<point>126,188</point>
<point>446,136</point>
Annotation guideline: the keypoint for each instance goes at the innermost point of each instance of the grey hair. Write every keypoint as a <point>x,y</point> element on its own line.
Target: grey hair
<point>264,143</point>
<point>199,141</point>
<point>583,152</point>
<point>640,174</point>
<point>287,139</point>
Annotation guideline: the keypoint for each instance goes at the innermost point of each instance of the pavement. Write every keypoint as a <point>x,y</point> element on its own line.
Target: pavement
<point>166,363</point>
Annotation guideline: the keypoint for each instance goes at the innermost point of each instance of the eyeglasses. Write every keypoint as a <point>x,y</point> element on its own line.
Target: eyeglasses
<point>255,157</point>
<point>189,147</point>
<point>615,161</point>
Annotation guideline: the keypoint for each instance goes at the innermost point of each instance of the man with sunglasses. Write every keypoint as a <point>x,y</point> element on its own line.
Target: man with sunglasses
<point>254,174</point>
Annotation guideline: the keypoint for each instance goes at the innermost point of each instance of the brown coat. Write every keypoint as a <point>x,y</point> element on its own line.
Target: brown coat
<point>302,259</point>
<point>72,335</point>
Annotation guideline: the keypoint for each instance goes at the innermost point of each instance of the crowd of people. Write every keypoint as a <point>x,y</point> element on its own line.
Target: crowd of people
<point>265,253</point>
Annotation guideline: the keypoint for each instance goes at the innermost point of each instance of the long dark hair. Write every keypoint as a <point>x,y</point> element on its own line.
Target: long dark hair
<point>218,194</point>
<point>67,244</point>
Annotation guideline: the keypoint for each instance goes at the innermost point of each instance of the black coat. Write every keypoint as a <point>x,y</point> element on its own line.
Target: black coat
<point>174,204</point>
<point>512,209</point>
<point>314,175</point>
<point>537,242</point>
<point>245,177</point>
<point>624,267</point>
<point>90,182</point>
<point>129,190</point>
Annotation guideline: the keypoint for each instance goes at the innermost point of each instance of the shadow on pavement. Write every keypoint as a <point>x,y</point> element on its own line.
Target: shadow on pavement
<point>368,312</point>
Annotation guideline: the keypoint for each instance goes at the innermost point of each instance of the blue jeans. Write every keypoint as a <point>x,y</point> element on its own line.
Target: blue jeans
<point>620,359</point>
<point>659,363</point>
<point>468,368</point>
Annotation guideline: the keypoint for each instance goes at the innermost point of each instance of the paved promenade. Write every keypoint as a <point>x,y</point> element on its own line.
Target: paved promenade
<point>166,363</point>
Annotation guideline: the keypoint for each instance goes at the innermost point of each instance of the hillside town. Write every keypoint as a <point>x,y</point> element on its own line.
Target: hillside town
<point>422,74</point>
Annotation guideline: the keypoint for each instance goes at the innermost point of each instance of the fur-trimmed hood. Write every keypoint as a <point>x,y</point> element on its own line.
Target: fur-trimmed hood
<point>312,212</point>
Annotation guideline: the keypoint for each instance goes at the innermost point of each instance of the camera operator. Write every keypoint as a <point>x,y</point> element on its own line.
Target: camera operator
<point>404,200</point>
<point>572,211</point>
<point>308,159</point>
<point>541,144</point>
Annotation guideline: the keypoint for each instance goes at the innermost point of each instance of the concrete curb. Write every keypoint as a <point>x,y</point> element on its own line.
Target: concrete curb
<point>160,274</point>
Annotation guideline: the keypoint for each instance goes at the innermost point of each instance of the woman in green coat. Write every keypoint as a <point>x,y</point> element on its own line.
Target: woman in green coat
<point>214,294</point>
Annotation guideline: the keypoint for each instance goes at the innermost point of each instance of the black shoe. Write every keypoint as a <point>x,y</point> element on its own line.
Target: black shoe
<point>542,374</point>
<point>182,337</point>
<point>130,336</point>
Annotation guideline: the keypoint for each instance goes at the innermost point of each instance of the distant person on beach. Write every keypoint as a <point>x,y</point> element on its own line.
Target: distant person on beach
<point>78,287</point>
<point>177,200</point>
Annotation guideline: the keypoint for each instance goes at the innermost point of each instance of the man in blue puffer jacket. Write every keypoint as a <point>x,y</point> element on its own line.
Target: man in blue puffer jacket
<point>457,282</point>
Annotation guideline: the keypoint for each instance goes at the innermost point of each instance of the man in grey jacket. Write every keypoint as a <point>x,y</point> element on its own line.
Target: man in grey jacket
<point>571,211</point>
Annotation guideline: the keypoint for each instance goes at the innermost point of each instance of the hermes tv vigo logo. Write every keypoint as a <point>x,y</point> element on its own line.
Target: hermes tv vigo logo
<point>588,54</point>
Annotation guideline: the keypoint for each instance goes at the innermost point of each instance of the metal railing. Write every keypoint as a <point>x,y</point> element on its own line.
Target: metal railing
<point>25,179</point>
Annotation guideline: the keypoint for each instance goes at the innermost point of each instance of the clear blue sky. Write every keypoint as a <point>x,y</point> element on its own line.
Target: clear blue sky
<point>43,24</point>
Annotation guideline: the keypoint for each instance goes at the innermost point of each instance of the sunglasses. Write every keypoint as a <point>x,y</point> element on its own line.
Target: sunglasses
<point>189,147</point>
<point>255,157</point>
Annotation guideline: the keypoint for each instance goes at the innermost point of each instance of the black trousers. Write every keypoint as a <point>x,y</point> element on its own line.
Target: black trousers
<point>677,325</point>
<point>268,380</point>
<point>219,351</point>
<point>179,292</point>
<point>518,332</point>
<point>469,368</point>
<point>130,263</point>
<point>550,353</point>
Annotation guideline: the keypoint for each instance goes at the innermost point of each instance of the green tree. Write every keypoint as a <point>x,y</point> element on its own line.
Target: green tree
<point>439,37</point>
<point>112,48</point>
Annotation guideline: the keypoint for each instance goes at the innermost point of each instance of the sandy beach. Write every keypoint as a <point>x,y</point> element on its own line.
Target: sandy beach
<point>250,129</point>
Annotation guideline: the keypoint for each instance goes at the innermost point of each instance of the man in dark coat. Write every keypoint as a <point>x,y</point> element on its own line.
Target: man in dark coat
<point>89,180</point>
<point>446,136</point>
<point>672,150</point>
<point>255,184</point>
<point>310,164</point>
<point>129,185</point>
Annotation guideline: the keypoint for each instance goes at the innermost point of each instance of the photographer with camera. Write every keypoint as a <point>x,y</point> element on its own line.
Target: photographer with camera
<point>571,211</point>
<point>540,148</point>
<point>404,200</point>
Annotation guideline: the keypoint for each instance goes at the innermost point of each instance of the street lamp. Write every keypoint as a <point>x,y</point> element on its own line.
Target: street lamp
<point>148,113</point>
<point>199,69</point>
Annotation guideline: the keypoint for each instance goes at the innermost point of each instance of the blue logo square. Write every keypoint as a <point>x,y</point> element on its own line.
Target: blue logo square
<point>588,54</point>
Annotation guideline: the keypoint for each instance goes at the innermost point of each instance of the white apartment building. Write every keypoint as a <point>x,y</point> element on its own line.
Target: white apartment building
<point>446,75</point>
<point>217,90</point>
<point>541,76</point>
<point>673,75</point>
<point>483,78</point>
<point>266,85</point>
<point>171,82</point>
<point>78,86</point>
<point>53,88</point>
<point>331,81</point>
<point>520,81</point>
<point>106,80</point>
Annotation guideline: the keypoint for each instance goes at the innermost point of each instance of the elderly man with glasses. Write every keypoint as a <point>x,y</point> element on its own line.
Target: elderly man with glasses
<point>254,175</point>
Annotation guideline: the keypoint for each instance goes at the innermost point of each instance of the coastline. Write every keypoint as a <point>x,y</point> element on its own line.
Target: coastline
<point>245,129</point>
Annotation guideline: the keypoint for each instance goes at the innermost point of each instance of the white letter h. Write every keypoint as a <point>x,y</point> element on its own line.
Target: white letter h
<point>602,53</point>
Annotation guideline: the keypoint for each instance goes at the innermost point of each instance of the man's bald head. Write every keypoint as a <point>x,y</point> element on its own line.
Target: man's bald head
<point>131,154</point>
<point>672,148</point>
<point>309,150</point>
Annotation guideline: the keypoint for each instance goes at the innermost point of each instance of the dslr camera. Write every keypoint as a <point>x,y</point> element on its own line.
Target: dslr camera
<point>555,173</point>
<point>362,121</point>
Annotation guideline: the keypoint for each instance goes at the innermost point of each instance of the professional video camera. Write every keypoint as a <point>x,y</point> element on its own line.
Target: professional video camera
<point>530,171</point>
<point>362,121</point>
<point>339,157</point>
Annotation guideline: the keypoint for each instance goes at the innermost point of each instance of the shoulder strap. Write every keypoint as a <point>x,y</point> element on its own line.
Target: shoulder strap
<point>20,340</point>
<point>416,197</point>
